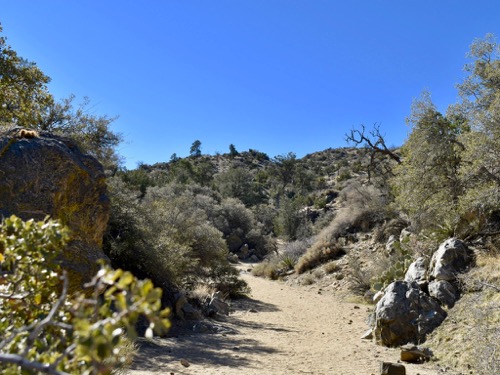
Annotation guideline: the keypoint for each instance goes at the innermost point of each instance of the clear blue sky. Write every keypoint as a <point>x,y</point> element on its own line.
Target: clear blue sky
<point>272,75</point>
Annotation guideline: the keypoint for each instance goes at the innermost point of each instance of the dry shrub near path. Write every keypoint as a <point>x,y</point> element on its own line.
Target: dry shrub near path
<point>280,330</point>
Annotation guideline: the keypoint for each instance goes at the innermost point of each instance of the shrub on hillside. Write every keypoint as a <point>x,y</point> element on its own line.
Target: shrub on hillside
<point>277,264</point>
<point>238,222</point>
<point>269,268</point>
<point>166,236</point>
<point>265,215</point>
<point>320,252</point>
<point>363,207</point>
<point>373,201</point>
<point>240,183</point>
<point>292,222</point>
<point>187,246</point>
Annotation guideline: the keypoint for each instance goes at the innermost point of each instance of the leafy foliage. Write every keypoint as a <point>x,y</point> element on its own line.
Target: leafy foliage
<point>449,177</point>
<point>480,108</point>
<point>24,95</point>
<point>26,102</point>
<point>46,330</point>
<point>92,132</point>
<point>427,184</point>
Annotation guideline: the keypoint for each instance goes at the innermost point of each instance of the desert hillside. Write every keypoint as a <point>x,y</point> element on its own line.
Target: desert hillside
<point>244,262</point>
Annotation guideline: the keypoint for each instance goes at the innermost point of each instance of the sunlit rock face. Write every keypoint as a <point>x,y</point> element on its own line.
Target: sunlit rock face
<point>46,175</point>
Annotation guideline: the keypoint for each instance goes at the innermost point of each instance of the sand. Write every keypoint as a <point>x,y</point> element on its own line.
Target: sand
<point>281,329</point>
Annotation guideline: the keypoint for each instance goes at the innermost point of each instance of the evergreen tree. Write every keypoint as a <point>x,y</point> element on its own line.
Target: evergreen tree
<point>195,149</point>
<point>427,185</point>
<point>232,151</point>
<point>480,107</point>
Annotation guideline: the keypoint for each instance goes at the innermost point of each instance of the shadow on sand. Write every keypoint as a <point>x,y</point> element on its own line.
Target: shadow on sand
<point>227,348</point>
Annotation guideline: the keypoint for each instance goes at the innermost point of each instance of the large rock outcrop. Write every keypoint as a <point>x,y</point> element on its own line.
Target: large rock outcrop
<point>411,309</point>
<point>42,174</point>
<point>405,314</point>
<point>451,258</point>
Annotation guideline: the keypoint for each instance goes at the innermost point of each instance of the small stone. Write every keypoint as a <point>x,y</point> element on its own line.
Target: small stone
<point>356,307</point>
<point>368,335</point>
<point>200,328</point>
<point>185,362</point>
<point>414,354</point>
<point>387,368</point>
<point>252,311</point>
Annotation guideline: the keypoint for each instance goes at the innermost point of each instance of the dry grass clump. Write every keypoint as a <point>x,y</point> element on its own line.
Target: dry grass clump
<point>364,206</point>
<point>360,278</point>
<point>331,267</point>
<point>389,228</point>
<point>327,247</point>
<point>268,268</point>
<point>363,273</point>
<point>308,279</point>
<point>319,253</point>
<point>318,273</point>
<point>366,197</point>
<point>201,293</point>
<point>469,339</point>
<point>278,264</point>
<point>127,350</point>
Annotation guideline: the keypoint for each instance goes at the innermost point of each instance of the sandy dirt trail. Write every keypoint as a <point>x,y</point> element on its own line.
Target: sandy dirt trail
<point>281,330</point>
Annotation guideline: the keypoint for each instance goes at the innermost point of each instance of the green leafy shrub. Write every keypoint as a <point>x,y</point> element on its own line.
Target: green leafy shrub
<point>44,329</point>
<point>233,219</point>
<point>344,174</point>
<point>292,222</point>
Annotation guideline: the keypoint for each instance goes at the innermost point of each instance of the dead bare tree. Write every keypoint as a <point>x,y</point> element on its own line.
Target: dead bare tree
<point>374,141</point>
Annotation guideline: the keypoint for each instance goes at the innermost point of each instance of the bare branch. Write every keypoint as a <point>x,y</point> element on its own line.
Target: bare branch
<point>375,141</point>
<point>489,285</point>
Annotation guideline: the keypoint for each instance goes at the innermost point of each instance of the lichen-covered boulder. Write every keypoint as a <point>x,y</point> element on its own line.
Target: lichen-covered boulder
<point>405,314</point>
<point>43,174</point>
<point>444,291</point>
<point>417,271</point>
<point>452,257</point>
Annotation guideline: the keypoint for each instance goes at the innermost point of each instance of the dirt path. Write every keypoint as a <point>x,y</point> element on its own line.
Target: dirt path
<point>280,330</point>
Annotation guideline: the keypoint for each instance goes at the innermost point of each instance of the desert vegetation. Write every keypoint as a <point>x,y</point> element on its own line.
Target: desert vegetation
<point>360,213</point>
